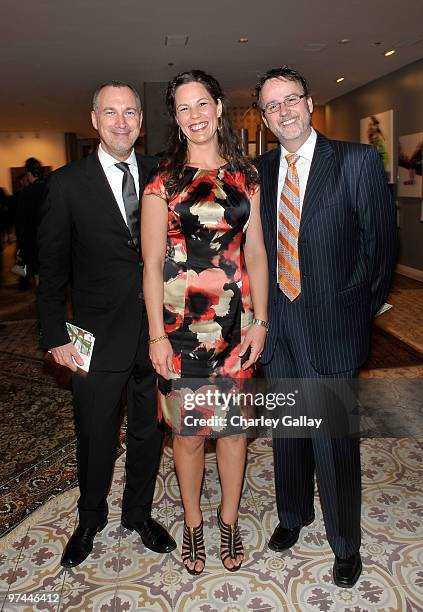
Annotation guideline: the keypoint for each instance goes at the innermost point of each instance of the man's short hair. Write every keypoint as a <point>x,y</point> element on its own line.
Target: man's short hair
<point>285,72</point>
<point>33,166</point>
<point>116,84</point>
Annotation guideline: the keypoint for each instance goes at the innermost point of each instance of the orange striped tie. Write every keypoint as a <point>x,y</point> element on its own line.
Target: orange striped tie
<point>288,229</point>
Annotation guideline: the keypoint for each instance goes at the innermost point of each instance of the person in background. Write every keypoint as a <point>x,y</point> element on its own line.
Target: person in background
<point>27,218</point>
<point>3,217</point>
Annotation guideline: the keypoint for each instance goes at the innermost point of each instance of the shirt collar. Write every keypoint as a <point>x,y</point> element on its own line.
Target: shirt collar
<point>108,161</point>
<point>306,150</point>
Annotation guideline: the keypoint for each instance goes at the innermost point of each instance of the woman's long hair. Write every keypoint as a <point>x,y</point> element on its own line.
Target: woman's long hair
<point>229,146</point>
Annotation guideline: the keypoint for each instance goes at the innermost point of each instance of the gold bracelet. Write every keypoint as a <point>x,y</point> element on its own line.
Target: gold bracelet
<point>158,339</point>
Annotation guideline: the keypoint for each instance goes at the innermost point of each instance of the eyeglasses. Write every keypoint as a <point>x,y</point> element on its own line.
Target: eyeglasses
<point>274,107</point>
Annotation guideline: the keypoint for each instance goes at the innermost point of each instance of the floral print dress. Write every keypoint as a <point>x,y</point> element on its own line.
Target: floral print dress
<point>207,301</point>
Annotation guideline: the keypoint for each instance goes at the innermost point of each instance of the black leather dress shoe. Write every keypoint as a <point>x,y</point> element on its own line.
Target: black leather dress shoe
<point>153,535</point>
<point>284,538</point>
<point>346,572</point>
<point>80,545</point>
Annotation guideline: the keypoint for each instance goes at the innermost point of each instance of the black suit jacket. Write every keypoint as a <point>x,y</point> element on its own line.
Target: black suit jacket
<point>83,240</point>
<point>347,248</point>
<point>29,202</point>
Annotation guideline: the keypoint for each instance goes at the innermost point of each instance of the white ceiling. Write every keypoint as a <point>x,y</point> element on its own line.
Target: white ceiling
<point>54,52</point>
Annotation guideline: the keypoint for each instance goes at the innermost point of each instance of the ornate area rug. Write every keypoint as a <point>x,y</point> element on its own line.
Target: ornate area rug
<point>37,442</point>
<point>387,351</point>
<point>38,437</point>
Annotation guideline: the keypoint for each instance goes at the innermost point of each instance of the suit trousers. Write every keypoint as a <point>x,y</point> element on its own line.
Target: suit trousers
<point>97,406</point>
<point>336,461</point>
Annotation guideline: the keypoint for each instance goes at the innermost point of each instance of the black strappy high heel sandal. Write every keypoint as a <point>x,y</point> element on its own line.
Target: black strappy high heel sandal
<point>230,543</point>
<point>193,547</point>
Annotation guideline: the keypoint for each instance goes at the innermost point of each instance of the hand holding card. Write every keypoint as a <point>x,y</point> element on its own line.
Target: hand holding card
<point>83,341</point>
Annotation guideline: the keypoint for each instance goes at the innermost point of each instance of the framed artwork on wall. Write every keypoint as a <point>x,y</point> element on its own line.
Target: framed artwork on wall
<point>410,158</point>
<point>377,130</point>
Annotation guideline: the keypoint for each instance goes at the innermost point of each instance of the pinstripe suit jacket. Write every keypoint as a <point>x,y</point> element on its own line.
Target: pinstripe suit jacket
<point>347,247</point>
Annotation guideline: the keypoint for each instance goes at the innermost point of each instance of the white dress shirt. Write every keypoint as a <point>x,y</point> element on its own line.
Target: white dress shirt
<point>305,152</point>
<point>115,176</point>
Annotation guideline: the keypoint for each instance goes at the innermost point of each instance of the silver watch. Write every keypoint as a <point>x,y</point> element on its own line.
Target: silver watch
<point>262,323</point>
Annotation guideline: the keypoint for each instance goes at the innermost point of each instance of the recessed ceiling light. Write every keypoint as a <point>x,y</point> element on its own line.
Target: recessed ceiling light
<point>388,53</point>
<point>343,41</point>
<point>340,79</point>
<point>243,39</point>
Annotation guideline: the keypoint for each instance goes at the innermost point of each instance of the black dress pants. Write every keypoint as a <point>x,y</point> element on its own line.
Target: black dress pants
<point>97,402</point>
<point>336,461</point>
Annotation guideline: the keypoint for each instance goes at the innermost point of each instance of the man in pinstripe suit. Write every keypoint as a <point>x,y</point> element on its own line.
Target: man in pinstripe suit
<point>328,278</point>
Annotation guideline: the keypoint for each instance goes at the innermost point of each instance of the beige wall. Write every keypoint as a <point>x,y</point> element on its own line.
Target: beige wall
<point>319,119</point>
<point>401,91</point>
<point>16,147</point>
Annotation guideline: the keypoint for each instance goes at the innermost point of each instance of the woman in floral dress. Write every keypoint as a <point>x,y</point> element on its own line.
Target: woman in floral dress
<point>205,288</point>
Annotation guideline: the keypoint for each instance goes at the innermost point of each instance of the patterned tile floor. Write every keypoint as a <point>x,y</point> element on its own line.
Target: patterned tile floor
<point>121,575</point>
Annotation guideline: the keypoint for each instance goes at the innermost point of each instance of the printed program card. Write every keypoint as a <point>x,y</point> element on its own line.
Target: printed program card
<point>83,341</point>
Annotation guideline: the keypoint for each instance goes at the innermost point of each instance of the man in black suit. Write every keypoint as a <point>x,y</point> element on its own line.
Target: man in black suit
<point>89,237</point>
<point>26,220</point>
<point>329,224</point>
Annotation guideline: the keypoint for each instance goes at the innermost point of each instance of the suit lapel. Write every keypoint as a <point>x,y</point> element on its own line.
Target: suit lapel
<point>269,201</point>
<point>102,190</point>
<point>321,166</point>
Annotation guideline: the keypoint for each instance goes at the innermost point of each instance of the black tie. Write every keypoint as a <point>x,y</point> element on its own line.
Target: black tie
<point>130,200</point>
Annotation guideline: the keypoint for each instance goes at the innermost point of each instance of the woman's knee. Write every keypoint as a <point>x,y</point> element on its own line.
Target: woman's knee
<point>189,444</point>
<point>237,440</point>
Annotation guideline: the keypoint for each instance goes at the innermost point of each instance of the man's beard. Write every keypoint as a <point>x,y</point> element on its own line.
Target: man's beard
<point>287,133</point>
